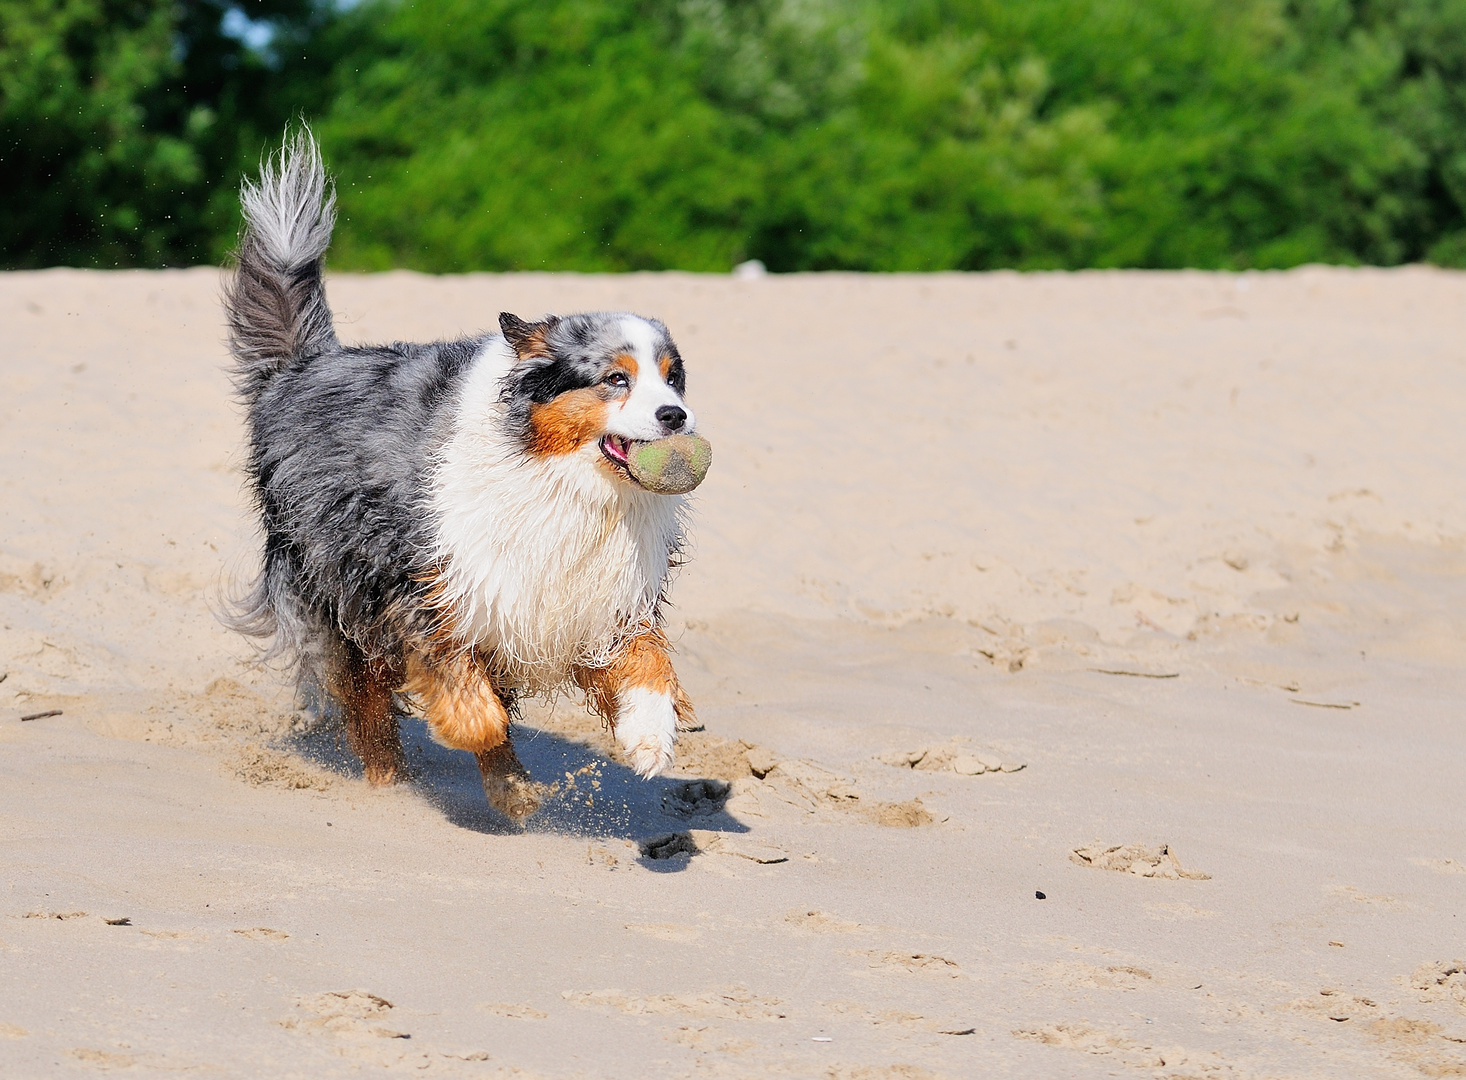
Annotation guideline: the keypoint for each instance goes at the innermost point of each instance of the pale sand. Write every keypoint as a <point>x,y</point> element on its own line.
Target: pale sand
<point>940,507</point>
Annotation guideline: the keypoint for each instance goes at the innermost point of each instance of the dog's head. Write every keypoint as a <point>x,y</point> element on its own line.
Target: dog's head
<point>606,379</point>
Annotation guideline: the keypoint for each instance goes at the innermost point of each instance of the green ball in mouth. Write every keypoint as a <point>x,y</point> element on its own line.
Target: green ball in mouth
<point>671,466</point>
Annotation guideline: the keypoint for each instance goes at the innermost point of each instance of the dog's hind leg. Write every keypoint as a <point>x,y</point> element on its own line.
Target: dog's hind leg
<point>364,689</point>
<point>640,697</point>
<point>466,712</point>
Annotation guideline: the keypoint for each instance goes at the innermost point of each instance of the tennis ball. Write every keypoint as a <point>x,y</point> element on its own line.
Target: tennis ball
<point>670,466</point>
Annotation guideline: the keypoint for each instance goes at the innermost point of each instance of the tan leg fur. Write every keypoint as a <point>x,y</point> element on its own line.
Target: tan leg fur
<point>645,663</point>
<point>364,689</point>
<point>465,712</point>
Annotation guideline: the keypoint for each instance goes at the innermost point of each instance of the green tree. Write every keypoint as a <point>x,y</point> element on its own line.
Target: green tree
<point>692,134</point>
<point>120,121</point>
<point>924,135</point>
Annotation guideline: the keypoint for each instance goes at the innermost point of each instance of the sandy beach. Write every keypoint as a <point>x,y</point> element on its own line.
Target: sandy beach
<point>1082,659</point>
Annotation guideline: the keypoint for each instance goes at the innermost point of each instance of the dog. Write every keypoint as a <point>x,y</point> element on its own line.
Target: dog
<point>452,523</point>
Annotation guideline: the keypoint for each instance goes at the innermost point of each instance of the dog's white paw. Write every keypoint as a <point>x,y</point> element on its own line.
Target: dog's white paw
<point>646,727</point>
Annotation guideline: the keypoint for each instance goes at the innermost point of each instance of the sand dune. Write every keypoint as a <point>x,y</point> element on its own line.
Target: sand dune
<point>1146,592</point>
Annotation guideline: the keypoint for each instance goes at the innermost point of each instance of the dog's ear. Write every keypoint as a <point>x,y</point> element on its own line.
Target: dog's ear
<point>528,339</point>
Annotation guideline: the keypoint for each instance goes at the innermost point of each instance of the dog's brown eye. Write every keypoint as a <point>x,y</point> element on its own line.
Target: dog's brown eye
<point>617,379</point>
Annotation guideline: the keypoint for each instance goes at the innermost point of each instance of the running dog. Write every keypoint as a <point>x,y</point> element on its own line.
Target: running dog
<point>455,521</point>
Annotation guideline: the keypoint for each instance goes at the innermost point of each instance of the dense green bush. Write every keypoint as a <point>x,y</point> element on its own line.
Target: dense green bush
<point>622,135</point>
<point>811,134</point>
<point>123,125</point>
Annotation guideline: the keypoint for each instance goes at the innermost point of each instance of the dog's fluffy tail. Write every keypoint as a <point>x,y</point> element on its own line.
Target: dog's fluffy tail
<point>276,302</point>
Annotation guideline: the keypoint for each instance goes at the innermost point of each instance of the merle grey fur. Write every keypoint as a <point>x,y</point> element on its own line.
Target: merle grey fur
<point>276,306</point>
<point>342,438</point>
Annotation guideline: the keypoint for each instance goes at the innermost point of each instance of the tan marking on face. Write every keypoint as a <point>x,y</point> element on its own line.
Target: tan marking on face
<point>664,365</point>
<point>627,363</point>
<point>567,423</point>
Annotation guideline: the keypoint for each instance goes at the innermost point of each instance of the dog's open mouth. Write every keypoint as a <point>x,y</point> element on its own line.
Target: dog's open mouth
<point>672,465</point>
<point>618,452</point>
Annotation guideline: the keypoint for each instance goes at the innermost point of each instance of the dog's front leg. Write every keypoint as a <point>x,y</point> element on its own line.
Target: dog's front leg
<point>639,696</point>
<point>465,712</point>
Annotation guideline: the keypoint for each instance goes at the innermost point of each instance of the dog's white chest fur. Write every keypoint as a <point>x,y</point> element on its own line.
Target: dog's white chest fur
<point>548,560</point>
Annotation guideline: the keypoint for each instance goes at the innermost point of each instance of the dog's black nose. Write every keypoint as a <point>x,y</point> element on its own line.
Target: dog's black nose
<point>672,417</point>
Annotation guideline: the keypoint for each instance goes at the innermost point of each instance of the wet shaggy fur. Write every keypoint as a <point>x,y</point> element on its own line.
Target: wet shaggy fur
<point>451,519</point>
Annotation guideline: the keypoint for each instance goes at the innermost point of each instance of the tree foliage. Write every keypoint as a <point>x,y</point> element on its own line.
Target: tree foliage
<point>122,124</point>
<point>692,134</point>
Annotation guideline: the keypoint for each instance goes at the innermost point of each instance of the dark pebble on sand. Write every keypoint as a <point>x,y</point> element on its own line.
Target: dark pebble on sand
<point>1039,896</point>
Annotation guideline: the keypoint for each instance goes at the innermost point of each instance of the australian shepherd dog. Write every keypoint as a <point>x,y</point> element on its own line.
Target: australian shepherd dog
<point>454,522</point>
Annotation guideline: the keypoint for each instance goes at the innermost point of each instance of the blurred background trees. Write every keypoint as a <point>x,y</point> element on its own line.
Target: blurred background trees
<point>124,124</point>
<point>694,134</point>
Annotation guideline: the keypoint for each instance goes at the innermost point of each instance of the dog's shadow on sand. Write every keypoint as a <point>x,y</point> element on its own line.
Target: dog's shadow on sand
<point>587,794</point>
